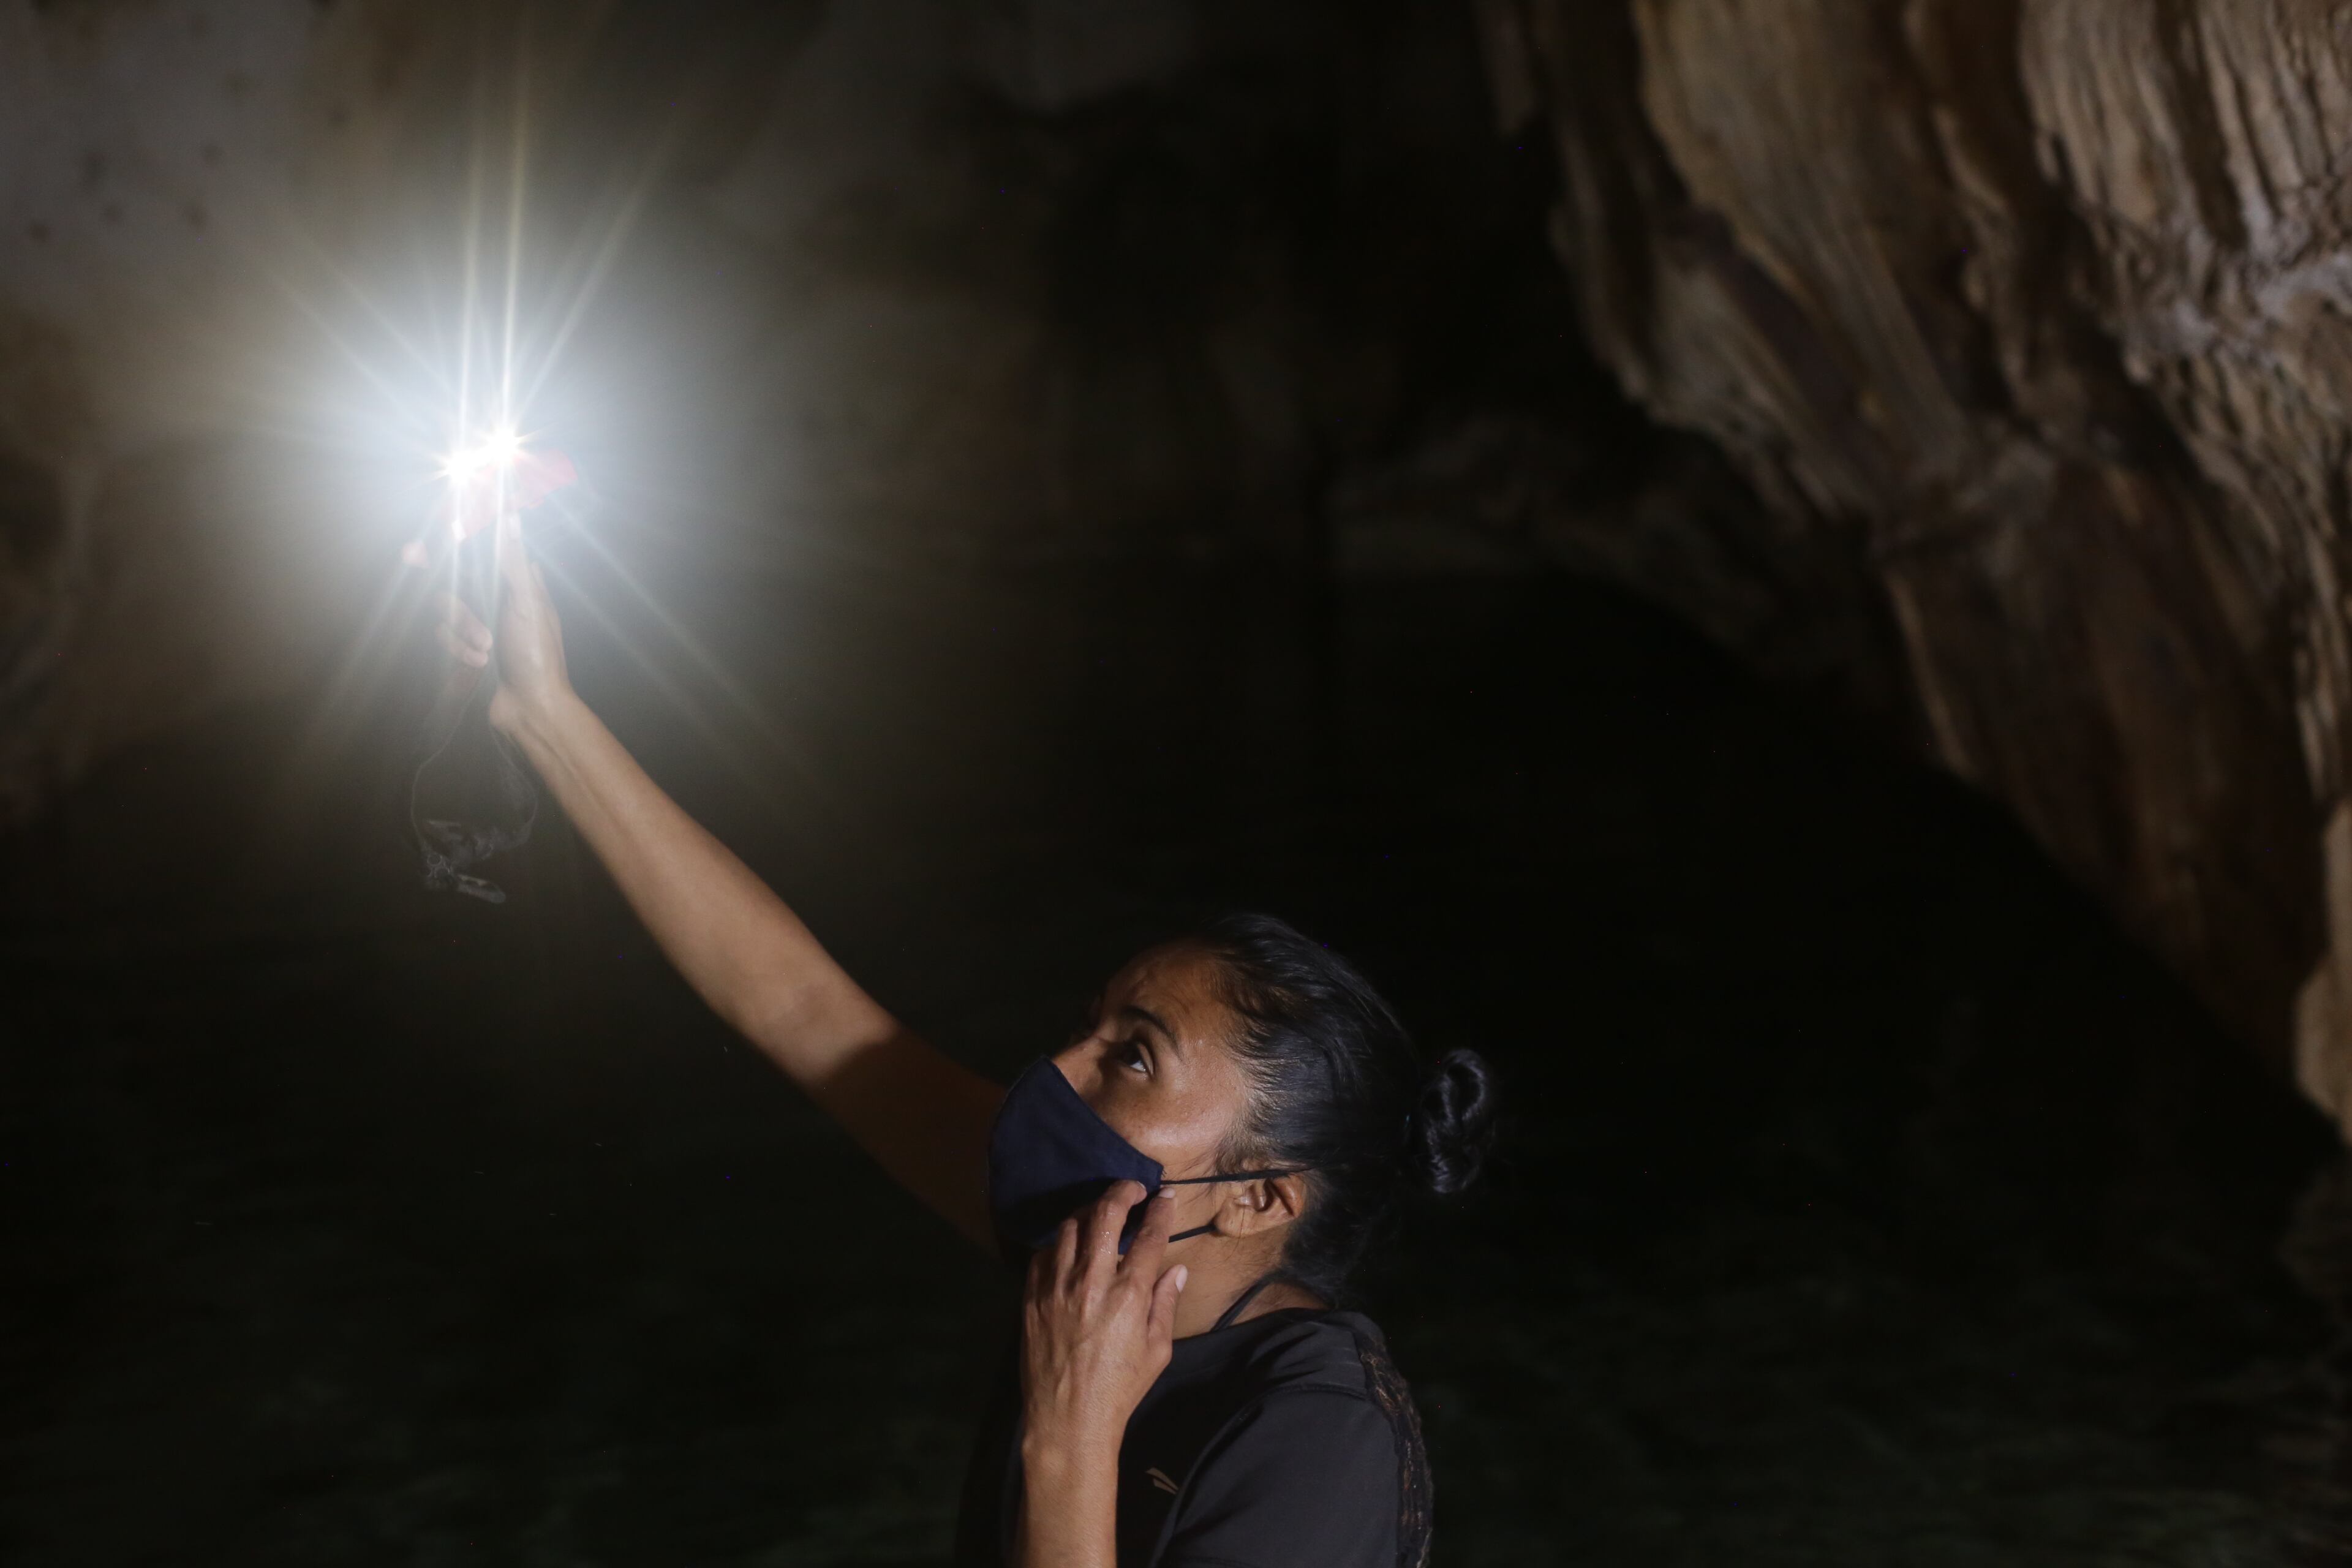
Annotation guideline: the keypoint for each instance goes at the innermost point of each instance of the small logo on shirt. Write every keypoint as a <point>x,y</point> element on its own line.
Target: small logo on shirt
<point>1159,1478</point>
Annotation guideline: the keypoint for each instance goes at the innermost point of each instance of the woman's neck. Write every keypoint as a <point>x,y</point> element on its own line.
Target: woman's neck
<point>1280,1296</point>
<point>1212,1291</point>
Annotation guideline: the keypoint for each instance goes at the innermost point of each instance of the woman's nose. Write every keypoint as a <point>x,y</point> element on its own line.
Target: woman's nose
<point>1076,1064</point>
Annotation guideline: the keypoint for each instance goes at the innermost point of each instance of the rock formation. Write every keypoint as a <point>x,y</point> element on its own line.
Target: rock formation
<point>2032,321</point>
<point>2027,323</point>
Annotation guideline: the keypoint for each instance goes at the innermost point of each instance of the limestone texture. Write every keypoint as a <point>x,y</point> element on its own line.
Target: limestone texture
<point>2031,321</point>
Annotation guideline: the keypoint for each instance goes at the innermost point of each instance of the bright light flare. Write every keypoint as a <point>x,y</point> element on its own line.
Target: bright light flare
<point>494,475</point>
<point>496,450</point>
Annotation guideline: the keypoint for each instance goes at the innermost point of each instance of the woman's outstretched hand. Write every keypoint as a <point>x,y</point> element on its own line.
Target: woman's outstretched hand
<point>1096,1329</point>
<point>533,679</point>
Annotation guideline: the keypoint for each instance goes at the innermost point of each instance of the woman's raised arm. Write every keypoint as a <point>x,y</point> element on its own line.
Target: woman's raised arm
<point>923,1116</point>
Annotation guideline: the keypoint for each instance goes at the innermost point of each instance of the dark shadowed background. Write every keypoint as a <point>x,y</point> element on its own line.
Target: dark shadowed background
<point>1057,471</point>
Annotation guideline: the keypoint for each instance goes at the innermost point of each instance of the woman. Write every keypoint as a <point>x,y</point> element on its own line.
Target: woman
<point>1190,1183</point>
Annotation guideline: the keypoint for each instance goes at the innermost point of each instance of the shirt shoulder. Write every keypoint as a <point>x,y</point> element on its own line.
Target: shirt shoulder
<point>1305,1478</point>
<point>1327,1350</point>
<point>1307,1474</point>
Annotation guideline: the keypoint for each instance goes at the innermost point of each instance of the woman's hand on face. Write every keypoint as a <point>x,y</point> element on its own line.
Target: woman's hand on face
<point>532,675</point>
<point>1096,1326</point>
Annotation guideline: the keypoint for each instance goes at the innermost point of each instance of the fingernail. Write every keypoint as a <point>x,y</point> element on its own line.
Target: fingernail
<point>1182,1274</point>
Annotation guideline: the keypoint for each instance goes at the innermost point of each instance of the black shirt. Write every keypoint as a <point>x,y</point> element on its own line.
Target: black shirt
<point>1287,1441</point>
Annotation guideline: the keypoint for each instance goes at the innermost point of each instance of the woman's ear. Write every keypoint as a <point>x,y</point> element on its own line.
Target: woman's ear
<point>1252,1208</point>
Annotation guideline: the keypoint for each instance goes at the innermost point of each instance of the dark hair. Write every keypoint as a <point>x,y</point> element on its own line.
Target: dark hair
<point>1339,1091</point>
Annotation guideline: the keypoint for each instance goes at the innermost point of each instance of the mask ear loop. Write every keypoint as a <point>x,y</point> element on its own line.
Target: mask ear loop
<point>1230,1176</point>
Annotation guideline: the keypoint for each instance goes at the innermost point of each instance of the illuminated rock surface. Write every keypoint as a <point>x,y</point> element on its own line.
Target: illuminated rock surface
<point>1869,1200</point>
<point>2029,321</point>
<point>2023,321</point>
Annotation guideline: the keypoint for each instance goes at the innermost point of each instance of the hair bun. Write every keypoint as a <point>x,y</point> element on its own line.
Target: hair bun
<point>1453,1123</point>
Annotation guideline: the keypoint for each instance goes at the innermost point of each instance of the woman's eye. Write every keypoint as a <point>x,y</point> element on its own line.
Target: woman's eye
<point>1130,1052</point>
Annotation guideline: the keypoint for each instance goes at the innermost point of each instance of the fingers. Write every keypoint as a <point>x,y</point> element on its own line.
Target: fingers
<point>458,616</point>
<point>515,566</point>
<point>457,648</point>
<point>1146,1252</point>
<point>461,633</point>
<point>1085,1250</point>
<point>1105,1221</point>
<point>1041,1272</point>
<point>525,587</point>
<point>1160,1327</point>
<point>1067,1248</point>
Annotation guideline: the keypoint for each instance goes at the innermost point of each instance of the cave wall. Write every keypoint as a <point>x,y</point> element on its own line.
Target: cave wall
<point>898,280</point>
<point>2037,314</point>
<point>2021,323</point>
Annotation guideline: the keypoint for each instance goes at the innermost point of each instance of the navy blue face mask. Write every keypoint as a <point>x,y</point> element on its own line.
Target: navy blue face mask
<point>1050,1155</point>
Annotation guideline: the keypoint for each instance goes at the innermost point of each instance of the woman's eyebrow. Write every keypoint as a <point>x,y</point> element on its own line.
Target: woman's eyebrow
<point>1146,1015</point>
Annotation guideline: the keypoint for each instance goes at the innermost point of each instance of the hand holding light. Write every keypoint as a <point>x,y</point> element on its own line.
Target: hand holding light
<point>532,677</point>
<point>489,477</point>
<point>492,481</point>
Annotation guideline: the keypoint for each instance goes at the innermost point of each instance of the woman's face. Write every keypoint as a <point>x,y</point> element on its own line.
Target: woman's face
<point>1155,1064</point>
